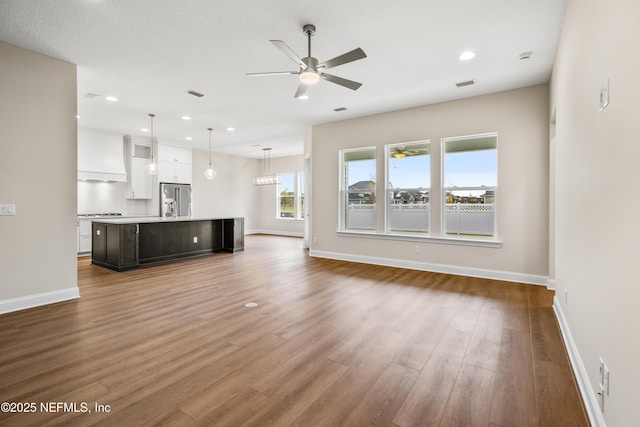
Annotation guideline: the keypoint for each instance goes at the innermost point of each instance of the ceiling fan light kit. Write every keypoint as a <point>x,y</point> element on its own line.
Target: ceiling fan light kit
<point>311,70</point>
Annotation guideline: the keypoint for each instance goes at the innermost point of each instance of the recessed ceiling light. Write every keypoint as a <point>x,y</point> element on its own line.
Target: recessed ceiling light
<point>230,129</point>
<point>188,138</point>
<point>186,118</point>
<point>144,129</point>
<point>111,99</point>
<point>467,55</point>
<point>78,116</point>
<point>305,96</point>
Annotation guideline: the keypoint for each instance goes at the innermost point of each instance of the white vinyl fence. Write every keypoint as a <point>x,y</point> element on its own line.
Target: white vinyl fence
<point>459,218</point>
<point>410,217</point>
<point>470,218</point>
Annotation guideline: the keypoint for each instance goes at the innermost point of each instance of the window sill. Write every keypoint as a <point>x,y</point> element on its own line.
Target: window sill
<point>461,241</point>
<point>289,219</point>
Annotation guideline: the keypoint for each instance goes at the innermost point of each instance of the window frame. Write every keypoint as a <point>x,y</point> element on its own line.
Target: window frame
<point>296,196</point>
<point>387,202</point>
<point>444,189</point>
<point>343,189</point>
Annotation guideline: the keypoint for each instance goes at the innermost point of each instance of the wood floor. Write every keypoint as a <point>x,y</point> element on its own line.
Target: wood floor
<point>330,343</point>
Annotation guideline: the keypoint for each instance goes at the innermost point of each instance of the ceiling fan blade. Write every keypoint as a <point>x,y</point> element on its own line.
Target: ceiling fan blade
<point>302,90</point>
<point>272,73</point>
<point>341,81</point>
<point>345,58</point>
<point>289,52</point>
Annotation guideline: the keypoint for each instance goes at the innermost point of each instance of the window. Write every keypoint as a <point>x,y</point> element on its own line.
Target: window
<point>286,196</point>
<point>358,189</point>
<point>290,196</point>
<point>408,182</point>
<point>470,179</point>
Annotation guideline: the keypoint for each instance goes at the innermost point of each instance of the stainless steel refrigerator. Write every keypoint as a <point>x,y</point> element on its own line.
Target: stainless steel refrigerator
<point>175,200</point>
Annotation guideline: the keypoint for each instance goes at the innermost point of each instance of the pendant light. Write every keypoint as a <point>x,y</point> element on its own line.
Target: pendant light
<point>152,167</point>
<point>210,173</point>
<point>267,178</point>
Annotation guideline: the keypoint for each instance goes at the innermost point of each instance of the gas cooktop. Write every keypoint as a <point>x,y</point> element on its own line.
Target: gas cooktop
<point>99,215</point>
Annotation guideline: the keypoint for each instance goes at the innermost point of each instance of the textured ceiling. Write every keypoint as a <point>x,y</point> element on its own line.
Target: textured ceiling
<point>148,54</point>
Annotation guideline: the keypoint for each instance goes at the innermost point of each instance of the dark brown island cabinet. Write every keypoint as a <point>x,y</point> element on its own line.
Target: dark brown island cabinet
<point>127,244</point>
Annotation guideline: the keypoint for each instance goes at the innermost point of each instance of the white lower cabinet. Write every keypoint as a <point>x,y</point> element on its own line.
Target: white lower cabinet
<point>84,236</point>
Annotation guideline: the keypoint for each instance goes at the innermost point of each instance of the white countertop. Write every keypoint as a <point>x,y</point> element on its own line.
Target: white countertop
<point>153,219</point>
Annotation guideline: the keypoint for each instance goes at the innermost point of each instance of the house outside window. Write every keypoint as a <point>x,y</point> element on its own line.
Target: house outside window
<point>358,189</point>
<point>470,179</point>
<point>408,184</point>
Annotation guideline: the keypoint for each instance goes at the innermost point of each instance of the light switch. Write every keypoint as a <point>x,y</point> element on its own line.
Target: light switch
<point>7,209</point>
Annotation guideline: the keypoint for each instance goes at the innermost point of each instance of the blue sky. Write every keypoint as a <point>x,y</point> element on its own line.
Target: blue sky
<point>462,169</point>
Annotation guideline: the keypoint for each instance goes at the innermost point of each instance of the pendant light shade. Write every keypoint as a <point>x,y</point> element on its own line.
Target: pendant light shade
<point>210,173</point>
<point>152,166</point>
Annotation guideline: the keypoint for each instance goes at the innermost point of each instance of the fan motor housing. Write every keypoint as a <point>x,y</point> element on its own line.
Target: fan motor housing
<point>309,29</point>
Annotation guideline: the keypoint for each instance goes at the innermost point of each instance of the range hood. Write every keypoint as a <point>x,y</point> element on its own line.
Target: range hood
<point>100,156</point>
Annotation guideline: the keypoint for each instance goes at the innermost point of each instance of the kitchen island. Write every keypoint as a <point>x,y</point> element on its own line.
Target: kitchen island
<point>129,243</point>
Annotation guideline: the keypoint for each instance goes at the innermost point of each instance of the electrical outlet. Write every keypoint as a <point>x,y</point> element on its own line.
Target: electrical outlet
<point>566,297</point>
<point>605,379</point>
<point>417,249</point>
<point>315,240</point>
<point>195,239</point>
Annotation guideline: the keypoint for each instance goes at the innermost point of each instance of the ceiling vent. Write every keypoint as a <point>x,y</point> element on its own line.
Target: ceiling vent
<point>467,83</point>
<point>91,95</point>
<point>337,110</point>
<point>196,94</point>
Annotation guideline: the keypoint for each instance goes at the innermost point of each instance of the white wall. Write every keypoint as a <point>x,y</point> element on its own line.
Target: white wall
<point>521,119</point>
<point>596,196</point>
<point>231,193</point>
<point>38,174</point>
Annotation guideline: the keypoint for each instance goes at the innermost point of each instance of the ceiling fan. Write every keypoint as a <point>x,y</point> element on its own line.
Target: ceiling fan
<point>402,151</point>
<point>311,70</point>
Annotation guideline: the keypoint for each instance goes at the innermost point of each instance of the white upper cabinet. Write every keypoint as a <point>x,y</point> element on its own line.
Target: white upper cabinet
<point>172,153</point>
<point>174,164</point>
<point>140,183</point>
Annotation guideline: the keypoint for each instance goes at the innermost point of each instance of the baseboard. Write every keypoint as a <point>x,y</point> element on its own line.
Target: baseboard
<point>508,276</point>
<point>36,300</point>
<point>579,370</point>
<point>276,233</point>
<point>551,284</point>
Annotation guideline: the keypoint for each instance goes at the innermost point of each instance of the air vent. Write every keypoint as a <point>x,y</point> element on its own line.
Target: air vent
<point>340,109</point>
<point>467,83</point>
<point>91,95</point>
<point>194,93</point>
